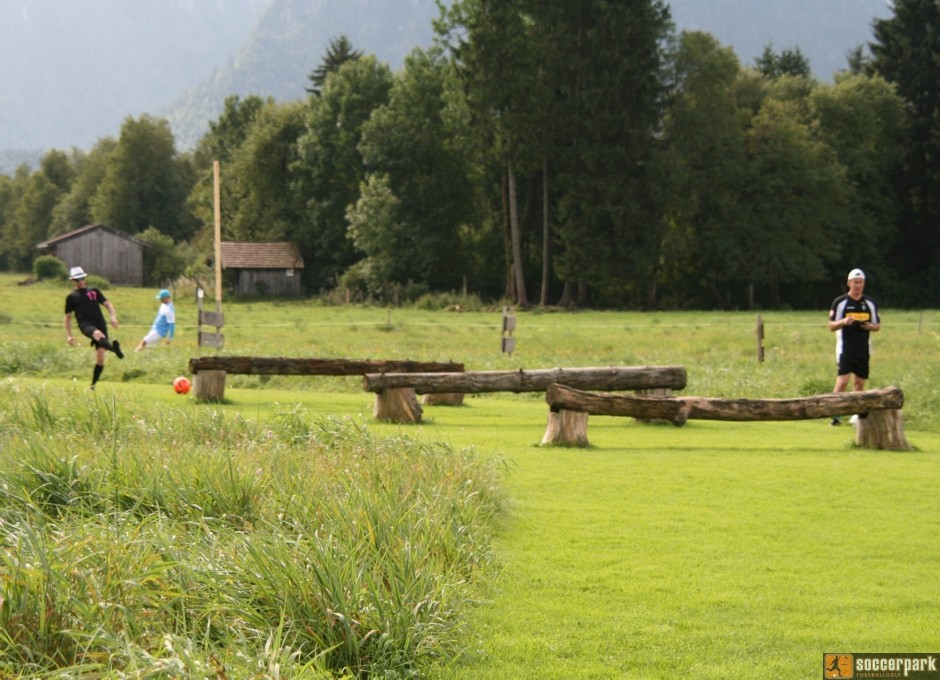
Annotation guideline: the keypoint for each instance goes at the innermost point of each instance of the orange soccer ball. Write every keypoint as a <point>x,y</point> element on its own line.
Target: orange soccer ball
<point>182,385</point>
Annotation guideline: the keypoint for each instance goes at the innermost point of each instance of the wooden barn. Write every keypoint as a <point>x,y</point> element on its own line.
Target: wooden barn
<point>100,251</point>
<point>263,268</point>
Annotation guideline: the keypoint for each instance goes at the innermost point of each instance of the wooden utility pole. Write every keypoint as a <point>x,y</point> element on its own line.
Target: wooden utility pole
<point>213,318</point>
<point>217,209</point>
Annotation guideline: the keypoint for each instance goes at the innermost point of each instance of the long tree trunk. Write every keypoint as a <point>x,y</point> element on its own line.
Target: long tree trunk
<point>546,236</point>
<point>510,291</point>
<point>522,299</point>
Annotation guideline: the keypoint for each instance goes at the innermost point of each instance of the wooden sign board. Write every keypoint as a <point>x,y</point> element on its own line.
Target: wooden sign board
<point>212,318</point>
<point>216,340</point>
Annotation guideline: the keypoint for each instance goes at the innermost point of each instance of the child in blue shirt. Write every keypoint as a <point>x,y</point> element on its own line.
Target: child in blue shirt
<point>164,326</point>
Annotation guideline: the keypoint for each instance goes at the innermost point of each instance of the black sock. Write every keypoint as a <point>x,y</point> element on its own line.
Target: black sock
<point>104,342</point>
<point>96,374</point>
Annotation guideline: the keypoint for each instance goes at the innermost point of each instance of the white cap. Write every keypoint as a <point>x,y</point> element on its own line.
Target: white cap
<point>76,273</point>
<point>856,274</point>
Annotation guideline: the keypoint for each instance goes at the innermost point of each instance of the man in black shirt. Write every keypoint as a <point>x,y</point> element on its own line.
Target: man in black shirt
<point>86,304</point>
<point>853,317</point>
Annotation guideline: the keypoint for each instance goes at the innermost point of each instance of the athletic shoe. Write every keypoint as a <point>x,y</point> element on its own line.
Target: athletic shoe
<point>835,421</point>
<point>116,347</point>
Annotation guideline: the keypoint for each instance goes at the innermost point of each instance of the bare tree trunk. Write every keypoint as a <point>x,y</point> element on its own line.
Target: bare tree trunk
<point>546,235</point>
<point>521,298</point>
<point>653,291</point>
<point>510,292</point>
<point>567,295</point>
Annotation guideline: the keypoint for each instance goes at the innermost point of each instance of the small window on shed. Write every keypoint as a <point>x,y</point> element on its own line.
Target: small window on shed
<point>289,272</point>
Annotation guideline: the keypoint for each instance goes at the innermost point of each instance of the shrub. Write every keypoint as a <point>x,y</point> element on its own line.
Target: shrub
<point>98,282</point>
<point>457,302</point>
<point>49,267</point>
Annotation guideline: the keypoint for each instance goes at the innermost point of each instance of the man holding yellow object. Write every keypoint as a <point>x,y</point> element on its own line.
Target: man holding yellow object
<point>853,317</point>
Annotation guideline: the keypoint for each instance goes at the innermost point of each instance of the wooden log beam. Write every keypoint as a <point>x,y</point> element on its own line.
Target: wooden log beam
<point>680,409</point>
<point>606,378</point>
<point>305,366</point>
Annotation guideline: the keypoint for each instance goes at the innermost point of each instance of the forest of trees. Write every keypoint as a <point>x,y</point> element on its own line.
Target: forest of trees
<point>573,152</point>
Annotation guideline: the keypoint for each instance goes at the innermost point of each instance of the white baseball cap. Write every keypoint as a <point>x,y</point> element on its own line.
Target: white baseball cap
<point>856,274</point>
<point>76,273</point>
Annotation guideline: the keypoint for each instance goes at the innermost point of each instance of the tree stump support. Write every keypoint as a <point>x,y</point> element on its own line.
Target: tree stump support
<point>209,386</point>
<point>566,428</point>
<point>882,429</point>
<point>398,405</point>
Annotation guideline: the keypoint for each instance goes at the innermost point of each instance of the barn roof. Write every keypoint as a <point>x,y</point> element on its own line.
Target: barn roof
<point>87,229</point>
<point>240,255</point>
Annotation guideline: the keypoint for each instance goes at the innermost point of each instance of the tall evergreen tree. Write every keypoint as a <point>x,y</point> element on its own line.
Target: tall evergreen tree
<point>594,67</point>
<point>906,51</point>
<point>329,170</point>
<point>610,95</point>
<point>420,172</point>
<point>491,42</point>
<point>705,131</point>
<point>338,53</point>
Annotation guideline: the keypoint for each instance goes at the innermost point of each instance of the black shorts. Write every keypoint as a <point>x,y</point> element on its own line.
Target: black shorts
<point>854,363</point>
<point>89,332</point>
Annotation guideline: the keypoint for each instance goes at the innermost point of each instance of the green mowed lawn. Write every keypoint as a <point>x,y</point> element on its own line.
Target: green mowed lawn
<point>714,550</point>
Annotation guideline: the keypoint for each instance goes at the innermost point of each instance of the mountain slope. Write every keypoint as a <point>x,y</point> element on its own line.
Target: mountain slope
<point>70,72</point>
<point>289,42</point>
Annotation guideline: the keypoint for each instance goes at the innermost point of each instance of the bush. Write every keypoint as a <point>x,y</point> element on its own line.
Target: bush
<point>49,267</point>
<point>457,302</point>
<point>98,282</point>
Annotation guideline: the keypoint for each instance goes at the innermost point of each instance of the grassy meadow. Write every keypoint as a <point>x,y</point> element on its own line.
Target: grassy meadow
<point>285,533</point>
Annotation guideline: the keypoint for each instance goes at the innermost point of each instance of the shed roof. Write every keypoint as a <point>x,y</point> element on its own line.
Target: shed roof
<point>87,229</point>
<point>241,255</point>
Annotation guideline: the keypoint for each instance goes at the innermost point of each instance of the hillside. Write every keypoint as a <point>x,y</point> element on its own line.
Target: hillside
<point>82,68</point>
<point>289,41</point>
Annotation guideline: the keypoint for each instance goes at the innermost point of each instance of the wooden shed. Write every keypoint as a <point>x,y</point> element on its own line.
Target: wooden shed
<point>100,251</point>
<point>263,268</point>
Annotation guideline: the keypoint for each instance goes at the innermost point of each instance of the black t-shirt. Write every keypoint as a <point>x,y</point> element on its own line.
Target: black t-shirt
<point>86,303</point>
<point>853,339</point>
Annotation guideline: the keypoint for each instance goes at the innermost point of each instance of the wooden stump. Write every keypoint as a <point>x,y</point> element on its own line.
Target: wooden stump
<point>566,428</point>
<point>398,405</point>
<point>209,385</point>
<point>443,399</point>
<point>882,429</point>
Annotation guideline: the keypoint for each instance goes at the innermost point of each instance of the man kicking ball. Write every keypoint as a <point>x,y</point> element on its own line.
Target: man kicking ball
<point>86,304</point>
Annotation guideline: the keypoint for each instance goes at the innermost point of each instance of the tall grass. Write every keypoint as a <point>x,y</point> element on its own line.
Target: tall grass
<point>169,542</point>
